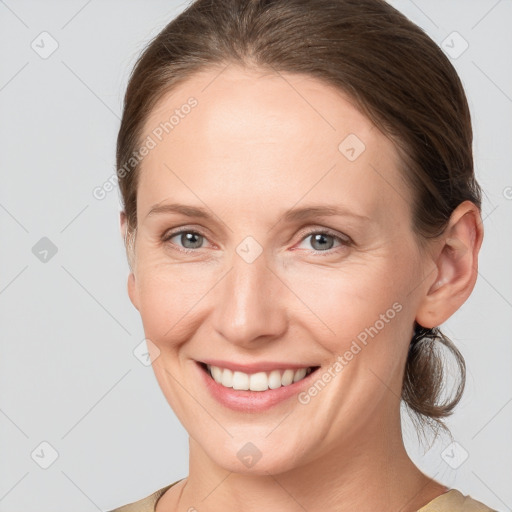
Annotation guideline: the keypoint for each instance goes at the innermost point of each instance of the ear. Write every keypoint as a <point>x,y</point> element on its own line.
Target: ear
<point>132,284</point>
<point>456,261</point>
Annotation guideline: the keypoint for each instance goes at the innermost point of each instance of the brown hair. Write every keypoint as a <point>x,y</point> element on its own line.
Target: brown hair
<point>396,75</point>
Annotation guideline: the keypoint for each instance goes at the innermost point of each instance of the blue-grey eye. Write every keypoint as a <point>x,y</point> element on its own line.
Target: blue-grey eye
<point>322,241</point>
<point>189,239</point>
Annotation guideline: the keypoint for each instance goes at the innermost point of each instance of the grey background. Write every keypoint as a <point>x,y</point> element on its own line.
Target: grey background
<point>68,375</point>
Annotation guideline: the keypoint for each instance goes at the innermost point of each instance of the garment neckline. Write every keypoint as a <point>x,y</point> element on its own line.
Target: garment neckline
<point>434,501</point>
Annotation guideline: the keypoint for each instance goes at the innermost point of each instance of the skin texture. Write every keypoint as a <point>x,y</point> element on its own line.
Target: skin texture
<point>256,145</point>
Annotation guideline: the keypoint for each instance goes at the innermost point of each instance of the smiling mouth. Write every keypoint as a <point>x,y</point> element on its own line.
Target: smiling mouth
<point>259,381</point>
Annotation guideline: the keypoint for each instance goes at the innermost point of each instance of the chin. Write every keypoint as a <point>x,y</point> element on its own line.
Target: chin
<point>257,457</point>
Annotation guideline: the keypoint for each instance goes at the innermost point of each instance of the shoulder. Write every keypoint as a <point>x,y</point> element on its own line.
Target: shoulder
<point>455,501</point>
<point>146,504</point>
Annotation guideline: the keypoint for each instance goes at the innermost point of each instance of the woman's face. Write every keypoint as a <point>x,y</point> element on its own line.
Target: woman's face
<point>258,272</point>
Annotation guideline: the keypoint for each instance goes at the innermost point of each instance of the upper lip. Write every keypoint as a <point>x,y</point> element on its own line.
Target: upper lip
<point>262,366</point>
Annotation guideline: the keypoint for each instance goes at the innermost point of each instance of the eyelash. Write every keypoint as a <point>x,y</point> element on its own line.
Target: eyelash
<point>344,241</point>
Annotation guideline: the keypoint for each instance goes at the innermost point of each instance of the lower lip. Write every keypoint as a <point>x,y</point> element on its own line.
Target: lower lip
<point>252,401</point>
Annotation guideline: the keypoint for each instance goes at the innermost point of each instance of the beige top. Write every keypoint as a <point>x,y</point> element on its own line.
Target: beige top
<point>451,501</point>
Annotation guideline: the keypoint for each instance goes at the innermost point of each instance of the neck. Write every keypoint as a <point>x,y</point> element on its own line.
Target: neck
<point>371,470</point>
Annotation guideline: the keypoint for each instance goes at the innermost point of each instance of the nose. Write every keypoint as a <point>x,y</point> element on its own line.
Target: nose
<point>250,308</point>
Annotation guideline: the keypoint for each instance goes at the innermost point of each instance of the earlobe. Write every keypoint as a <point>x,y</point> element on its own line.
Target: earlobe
<point>456,267</point>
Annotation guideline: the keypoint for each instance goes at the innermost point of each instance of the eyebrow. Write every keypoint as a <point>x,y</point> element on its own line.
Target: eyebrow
<point>291,215</point>
<point>306,212</point>
<point>189,211</point>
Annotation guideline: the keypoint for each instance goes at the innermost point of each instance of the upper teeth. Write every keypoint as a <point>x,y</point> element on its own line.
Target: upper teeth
<point>260,381</point>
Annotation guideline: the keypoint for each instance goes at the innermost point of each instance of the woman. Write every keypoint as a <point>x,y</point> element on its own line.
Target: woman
<point>300,215</point>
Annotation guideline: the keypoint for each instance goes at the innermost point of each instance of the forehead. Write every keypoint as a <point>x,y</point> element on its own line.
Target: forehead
<point>253,137</point>
<point>255,107</point>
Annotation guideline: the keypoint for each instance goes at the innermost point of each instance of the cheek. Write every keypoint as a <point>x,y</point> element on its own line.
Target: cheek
<point>350,296</point>
<point>360,307</point>
<point>362,321</point>
<point>170,299</point>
